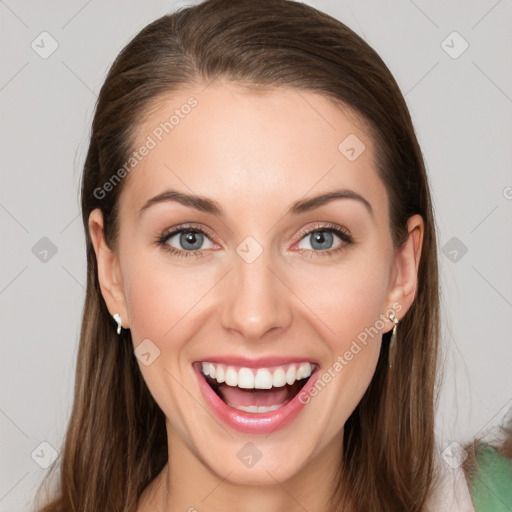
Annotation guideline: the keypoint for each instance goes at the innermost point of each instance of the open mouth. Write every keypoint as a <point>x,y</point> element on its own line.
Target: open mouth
<point>256,390</point>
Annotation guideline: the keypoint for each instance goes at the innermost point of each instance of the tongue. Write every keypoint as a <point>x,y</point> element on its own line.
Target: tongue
<point>235,396</point>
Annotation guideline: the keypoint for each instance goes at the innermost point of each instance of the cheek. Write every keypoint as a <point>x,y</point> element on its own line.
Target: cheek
<point>159,297</point>
<point>159,301</point>
<point>150,304</point>
<point>348,302</point>
<point>348,298</point>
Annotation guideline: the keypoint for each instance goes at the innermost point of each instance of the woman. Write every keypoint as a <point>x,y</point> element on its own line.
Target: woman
<point>261,322</point>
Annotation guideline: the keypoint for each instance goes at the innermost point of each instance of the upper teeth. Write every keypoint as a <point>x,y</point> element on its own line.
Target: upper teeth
<point>257,378</point>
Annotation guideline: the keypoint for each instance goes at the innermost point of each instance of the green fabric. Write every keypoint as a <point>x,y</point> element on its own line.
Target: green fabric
<point>491,487</point>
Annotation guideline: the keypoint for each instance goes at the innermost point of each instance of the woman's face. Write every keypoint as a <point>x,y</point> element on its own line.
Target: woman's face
<point>268,288</point>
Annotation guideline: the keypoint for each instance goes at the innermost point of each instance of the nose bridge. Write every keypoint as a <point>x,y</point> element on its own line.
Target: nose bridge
<point>255,300</point>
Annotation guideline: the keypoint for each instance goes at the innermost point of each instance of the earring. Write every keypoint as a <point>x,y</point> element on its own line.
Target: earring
<point>117,318</point>
<point>392,344</point>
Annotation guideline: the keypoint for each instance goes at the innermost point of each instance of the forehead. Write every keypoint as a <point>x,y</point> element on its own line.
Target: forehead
<point>266,147</point>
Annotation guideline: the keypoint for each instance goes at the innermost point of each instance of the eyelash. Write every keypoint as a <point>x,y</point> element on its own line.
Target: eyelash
<point>328,228</point>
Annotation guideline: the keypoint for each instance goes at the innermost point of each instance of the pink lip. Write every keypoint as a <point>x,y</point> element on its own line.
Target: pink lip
<point>262,362</point>
<point>253,423</point>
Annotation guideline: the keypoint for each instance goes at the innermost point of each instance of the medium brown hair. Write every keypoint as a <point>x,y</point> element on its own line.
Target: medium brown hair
<point>115,443</point>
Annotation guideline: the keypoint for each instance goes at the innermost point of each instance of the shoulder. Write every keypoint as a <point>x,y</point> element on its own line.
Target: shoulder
<point>450,491</point>
<point>491,483</point>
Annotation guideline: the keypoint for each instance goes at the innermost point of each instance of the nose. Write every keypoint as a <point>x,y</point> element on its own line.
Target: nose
<point>257,300</point>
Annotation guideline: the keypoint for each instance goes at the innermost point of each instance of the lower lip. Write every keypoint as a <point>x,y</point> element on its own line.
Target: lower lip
<point>254,423</point>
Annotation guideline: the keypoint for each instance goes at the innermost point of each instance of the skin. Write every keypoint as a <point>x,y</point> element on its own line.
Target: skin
<point>254,153</point>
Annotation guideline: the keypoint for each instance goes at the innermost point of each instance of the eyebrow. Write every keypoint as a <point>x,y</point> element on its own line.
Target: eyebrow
<point>207,205</point>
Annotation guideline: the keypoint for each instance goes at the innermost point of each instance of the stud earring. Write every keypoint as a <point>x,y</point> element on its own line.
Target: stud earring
<point>117,318</point>
<point>392,344</point>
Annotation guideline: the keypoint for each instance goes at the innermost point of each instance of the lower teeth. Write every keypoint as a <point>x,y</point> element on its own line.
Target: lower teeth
<point>255,408</point>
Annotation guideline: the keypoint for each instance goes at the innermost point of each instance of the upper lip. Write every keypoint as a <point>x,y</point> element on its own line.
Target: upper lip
<point>260,362</point>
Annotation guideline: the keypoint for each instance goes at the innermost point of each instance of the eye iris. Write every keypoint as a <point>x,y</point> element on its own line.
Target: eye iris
<point>191,237</point>
<point>321,237</point>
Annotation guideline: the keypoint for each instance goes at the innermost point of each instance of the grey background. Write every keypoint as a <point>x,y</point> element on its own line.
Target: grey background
<point>461,108</point>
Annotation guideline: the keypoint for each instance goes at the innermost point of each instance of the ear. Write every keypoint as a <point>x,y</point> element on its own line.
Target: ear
<point>407,260</point>
<point>109,269</point>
